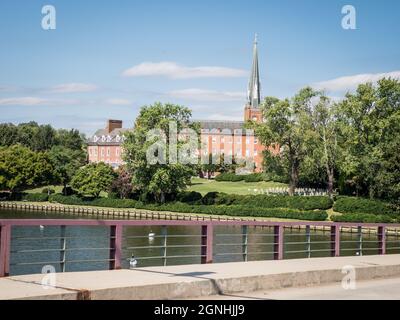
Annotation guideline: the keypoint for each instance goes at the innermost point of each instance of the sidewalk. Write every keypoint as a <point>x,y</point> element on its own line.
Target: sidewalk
<point>191,281</point>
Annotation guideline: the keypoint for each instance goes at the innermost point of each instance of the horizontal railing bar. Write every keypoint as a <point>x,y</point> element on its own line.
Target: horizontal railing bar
<point>162,237</point>
<point>146,222</point>
<point>297,251</point>
<point>58,250</point>
<point>60,238</point>
<point>168,246</point>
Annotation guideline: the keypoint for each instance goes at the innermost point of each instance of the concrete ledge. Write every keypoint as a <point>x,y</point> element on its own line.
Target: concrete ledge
<point>190,281</point>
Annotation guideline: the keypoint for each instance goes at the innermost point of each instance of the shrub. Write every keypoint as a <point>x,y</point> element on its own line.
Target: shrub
<point>228,210</point>
<point>229,177</point>
<point>361,205</point>
<point>362,218</point>
<point>254,177</point>
<point>48,191</point>
<point>263,201</point>
<point>210,197</point>
<point>35,197</point>
<point>189,196</point>
<point>68,191</point>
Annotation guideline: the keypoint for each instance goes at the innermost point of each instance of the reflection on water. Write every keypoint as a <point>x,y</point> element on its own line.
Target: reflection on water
<point>87,248</point>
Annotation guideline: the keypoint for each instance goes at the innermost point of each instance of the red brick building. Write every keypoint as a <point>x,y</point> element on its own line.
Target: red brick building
<point>228,138</point>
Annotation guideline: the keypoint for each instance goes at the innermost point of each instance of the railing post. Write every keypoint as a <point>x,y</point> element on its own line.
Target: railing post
<point>5,244</point>
<point>164,233</point>
<point>360,240</point>
<point>335,241</point>
<point>245,239</point>
<point>308,241</point>
<point>63,245</point>
<point>278,242</point>
<point>382,239</point>
<point>207,235</point>
<point>115,247</point>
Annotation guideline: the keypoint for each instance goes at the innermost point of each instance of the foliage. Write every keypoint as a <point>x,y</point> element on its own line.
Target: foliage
<point>122,186</point>
<point>93,179</point>
<point>35,197</point>
<point>288,123</point>
<point>161,178</point>
<point>363,218</point>
<point>360,205</point>
<point>189,197</point>
<point>21,168</point>
<point>297,202</point>
<point>40,137</point>
<point>66,162</point>
<point>236,210</point>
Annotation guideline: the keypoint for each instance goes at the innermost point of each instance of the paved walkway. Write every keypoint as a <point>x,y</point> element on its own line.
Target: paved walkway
<point>265,278</point>
<point>384,289</point>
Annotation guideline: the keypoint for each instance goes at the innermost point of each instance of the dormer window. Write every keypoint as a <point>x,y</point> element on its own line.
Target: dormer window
<point>108,138</point>
<point>103,138</point>
<point>118,138</point>
<point>95,138</point>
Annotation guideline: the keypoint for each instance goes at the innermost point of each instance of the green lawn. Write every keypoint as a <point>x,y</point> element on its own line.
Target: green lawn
<point>203,186</point>
<point>58,189</point>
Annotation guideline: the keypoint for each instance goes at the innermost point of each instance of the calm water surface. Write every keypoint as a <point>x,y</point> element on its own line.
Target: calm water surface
<point>33,247</point>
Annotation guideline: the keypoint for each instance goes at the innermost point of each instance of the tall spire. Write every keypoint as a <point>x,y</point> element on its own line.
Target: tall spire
<point>254,96</point>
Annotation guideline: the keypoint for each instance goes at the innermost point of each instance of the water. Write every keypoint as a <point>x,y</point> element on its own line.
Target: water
<point>87,247</point>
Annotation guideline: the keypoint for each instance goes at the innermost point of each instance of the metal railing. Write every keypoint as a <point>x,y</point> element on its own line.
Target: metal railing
<point>275,240</point>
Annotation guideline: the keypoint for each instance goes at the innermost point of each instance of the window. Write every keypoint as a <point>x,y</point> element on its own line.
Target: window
<point>255,140</point>
<point>102,152</point>
<point>103,138</point>
<point>109,138</point>
<point>117,152</point>
<point>255,152</point>
<point>95,138</point>
<point>247,152</point>
<point>108,151</point>
<point>118,138</point>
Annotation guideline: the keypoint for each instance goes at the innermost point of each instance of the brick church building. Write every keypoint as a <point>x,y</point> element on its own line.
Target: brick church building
<point>227,138</point>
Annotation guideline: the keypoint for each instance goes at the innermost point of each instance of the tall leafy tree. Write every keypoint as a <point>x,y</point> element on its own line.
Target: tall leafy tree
<point>93,178</point>
<point>161,178</point>
<point>288,123</point>
<point>66,163</point>
<point>22,168</point>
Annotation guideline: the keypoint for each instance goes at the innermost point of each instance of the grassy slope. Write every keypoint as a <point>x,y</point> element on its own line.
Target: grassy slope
<point>203,186</point>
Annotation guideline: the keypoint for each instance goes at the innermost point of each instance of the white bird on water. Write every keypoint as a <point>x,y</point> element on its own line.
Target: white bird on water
<point>132,262</point>
<point>41,227</point>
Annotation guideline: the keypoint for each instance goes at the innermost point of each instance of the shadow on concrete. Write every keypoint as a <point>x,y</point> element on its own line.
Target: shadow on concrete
<point>200,275</point>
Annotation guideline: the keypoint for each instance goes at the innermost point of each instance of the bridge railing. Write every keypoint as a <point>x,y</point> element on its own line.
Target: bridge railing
<point>274,240</point>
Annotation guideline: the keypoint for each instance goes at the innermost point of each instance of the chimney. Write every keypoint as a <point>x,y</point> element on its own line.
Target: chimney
<point>113,124</point>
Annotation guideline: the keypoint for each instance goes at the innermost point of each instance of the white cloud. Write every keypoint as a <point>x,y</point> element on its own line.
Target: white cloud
<point>35,101</point>
<point>73,87</point>
<point>25,101</point>
<point>207,95</point>
<point>119,102</point>
<point>351,82</point>
<point>175,71</point>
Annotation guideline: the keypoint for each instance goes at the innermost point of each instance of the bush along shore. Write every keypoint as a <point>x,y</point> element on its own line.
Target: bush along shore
<point>313,208</point>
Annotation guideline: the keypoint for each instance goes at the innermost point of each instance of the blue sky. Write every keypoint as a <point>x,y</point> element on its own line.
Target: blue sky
<point>107,58</point>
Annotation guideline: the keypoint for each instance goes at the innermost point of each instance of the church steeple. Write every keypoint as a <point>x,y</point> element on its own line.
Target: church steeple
<point>254,96</point>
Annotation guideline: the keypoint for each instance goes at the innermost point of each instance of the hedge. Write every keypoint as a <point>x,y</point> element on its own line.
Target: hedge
<point>264,201</point>
<point>361,205</point>
<point>229,177</point>
<point>232,177</point>
<point>362,217</point>
<point>229,210</point>
<point>35,197</point>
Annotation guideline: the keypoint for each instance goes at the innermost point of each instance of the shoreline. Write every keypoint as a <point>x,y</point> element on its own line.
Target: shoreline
<point>142,214</point>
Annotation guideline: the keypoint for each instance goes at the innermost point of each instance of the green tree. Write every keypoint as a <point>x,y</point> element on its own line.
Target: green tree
<point>288,123</point>
<point>66,163</point>
<point>21,168</point>
<point>93,178</point>
<point>369,134</point>
<point>165,177</point>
